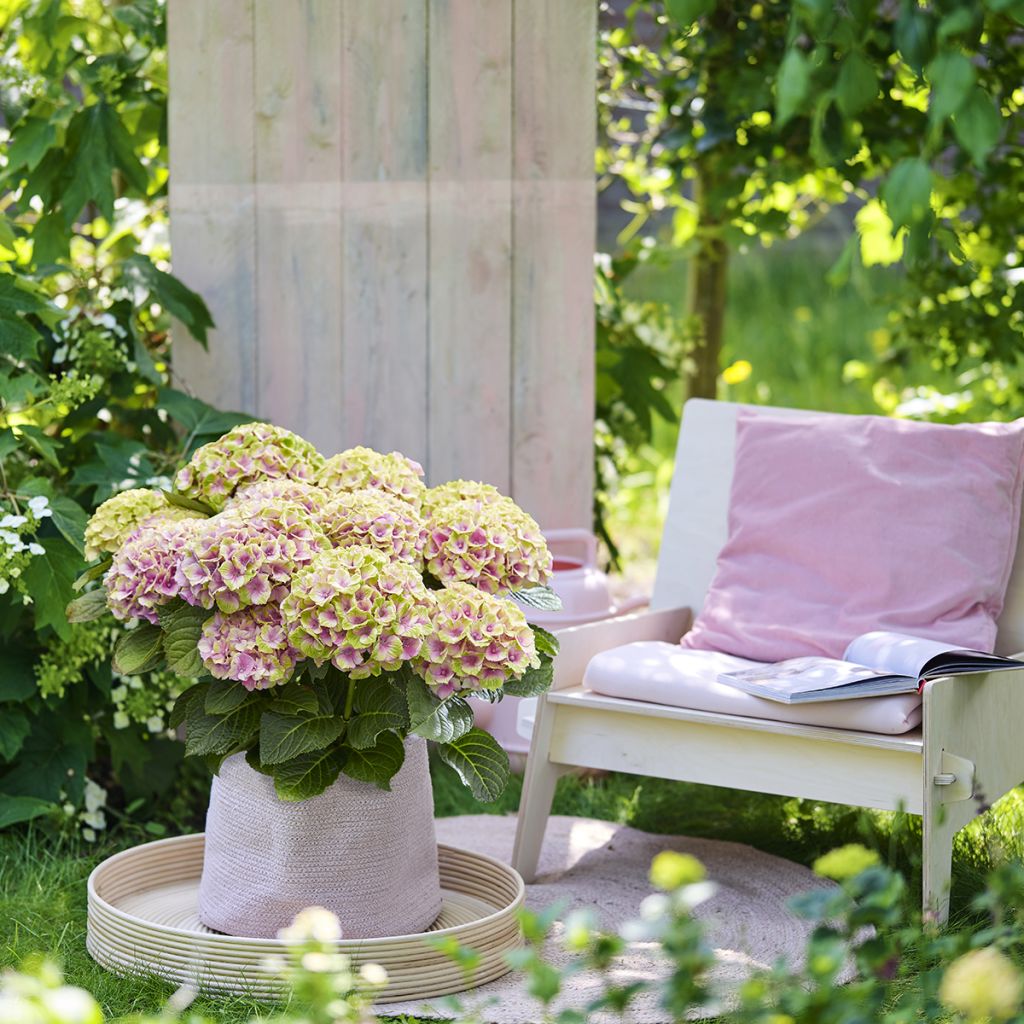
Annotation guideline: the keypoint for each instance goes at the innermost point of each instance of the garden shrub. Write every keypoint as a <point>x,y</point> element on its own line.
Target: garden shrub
<point>86,406</point>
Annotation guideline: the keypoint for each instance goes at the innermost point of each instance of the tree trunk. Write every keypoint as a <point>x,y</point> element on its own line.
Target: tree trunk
<point>708,276</point>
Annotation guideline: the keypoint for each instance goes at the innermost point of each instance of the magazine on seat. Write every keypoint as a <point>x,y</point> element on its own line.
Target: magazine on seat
<point>875,664</point>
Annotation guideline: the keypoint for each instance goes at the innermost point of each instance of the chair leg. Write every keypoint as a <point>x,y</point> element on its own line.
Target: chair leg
<point>937,860</point>
<point>538,792</point>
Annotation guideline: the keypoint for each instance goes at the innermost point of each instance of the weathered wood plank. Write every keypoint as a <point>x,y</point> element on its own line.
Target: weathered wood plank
<point>384,225</point>
<point>470,307</point>
<point>553,243</point>
<point>213,232</point>
<point>298,219</point>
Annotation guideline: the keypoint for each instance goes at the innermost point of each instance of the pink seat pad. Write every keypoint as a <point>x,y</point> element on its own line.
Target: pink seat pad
<point>664,673</point>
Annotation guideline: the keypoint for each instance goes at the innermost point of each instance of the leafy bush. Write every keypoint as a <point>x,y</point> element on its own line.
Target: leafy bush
<point>86,409</point>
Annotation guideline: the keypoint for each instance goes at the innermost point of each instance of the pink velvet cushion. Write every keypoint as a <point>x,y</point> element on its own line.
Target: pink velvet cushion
<point>843,524</point>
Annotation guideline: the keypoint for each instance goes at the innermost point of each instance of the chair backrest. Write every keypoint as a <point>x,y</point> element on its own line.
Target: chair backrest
<point>696,526</point>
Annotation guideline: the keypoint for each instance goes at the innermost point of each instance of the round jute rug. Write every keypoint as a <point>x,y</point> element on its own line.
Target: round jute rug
<point>604,867</point>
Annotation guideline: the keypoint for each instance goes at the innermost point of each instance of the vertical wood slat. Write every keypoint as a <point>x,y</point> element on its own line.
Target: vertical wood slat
<point>470,123</point>
<point>213,236</point>
<point>298,216</point>
<point>384,229</point>
<point>553,243</point>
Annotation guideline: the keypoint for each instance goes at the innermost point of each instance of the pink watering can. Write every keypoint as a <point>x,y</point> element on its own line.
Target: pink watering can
<point>586,597</point>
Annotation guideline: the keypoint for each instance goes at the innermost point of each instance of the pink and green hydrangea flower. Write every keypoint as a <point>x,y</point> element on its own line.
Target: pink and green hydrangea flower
<point>477,642</point>
<point>240,558</point>
<point>119,516</point>
<point>497,547</point>
<point>256,496</point>
<point>143,575</point>
<point>378,520</point>
<point>459,490</point>
<point>359,610</point>
<point>244,455</point>
<point>357,468</point>
<point>249,646</point>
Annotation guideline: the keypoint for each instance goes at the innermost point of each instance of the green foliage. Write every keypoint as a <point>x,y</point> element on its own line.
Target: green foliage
<point>732,123</point>
<point>86,406</point>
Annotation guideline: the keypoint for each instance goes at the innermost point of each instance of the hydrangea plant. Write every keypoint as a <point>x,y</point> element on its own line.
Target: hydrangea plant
<point>329,608</point>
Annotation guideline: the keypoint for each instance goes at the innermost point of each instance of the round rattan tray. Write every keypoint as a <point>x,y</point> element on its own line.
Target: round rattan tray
<point>143,920</point>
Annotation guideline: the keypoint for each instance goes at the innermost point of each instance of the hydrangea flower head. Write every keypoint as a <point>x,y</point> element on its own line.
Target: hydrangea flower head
<point>478,642</point>
<point>459,490</point>
<point>256,496</point>
<point>356,468</point>
<point>124,513</point>
<point>246,454</point>
<point>144,572</point>
<point>496,547</point>
<point>377,519</point>
<point>240,558</point>
<point>358,609</point>
<point>249,646</point>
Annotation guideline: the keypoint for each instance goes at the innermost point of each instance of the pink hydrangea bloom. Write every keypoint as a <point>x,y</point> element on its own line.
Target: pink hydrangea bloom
<point>358,609</point>
<point>478,642</point>
<point>376,519</point>
<point>144,572</point>
<point>239,558</point>
<point>496,547</point>
<point>356,468</point>
<point>246,454</point>
<point>264,492</point>
<point>459,490</point>
<point>249,646</point>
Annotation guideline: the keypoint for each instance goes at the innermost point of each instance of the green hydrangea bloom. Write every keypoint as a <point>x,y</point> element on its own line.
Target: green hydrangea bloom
<point>119,516</point>
<point>459,490</point>
<point>356,468</point>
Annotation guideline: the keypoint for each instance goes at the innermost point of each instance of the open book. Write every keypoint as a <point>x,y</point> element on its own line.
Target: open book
<point>875,664</point>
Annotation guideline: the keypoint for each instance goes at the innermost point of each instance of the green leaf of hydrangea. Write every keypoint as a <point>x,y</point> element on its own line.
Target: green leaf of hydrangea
<point>532,683</point>
<point>380,706</point>
<point>138,651</point>
<point>480,762</point>
<point>87,607</point>
<point>182,625</point>
<point>542,598</point>
<point>307,775</point>
<point>224,695</point>
<point>379,764</point>
<point>180,501</point>
<point>94,572</point>
<point>295,699</point>
<point>283,737</point>
<point>222,734</point>
<point>188,705</point>
<point>546,643</point>
<point>434,719</point>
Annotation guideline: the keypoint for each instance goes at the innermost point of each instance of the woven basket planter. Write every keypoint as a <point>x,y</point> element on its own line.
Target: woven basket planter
<point>367,855</point>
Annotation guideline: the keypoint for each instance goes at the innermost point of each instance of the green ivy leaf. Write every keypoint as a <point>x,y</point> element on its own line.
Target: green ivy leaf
<point>139,650</point>
<point>977,126</point>
<point>87,607</point>
<point>686,12</point>
<point>792,86</point>
<point>856,85</point>
<point>379,764</point>
<point>181,302</point>
<point>480,762</point>
<point>907,192</point>
<point>14,727</point>
<point>951,77</point>
<point>380,706</point>
<point>182,625</point>
<point>283,737</point>
<point>308,775</point>
<point>545,642</point>
<point>532,683</point>
<point>434,719</point>
<point>49,578</point>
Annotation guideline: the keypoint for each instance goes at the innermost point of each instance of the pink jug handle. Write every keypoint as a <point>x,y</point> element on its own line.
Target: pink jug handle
<point>575,535</point>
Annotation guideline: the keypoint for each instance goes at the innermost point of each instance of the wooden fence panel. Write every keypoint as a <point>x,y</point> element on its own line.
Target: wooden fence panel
<point>389,206</point>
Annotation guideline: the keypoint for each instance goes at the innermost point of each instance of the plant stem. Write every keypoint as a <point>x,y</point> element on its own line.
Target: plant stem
<point>349,699</point>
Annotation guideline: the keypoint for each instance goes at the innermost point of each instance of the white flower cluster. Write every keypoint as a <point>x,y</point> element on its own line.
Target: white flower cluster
<point>146,702</point>
<point>92,819</point>
<point>16,545</point>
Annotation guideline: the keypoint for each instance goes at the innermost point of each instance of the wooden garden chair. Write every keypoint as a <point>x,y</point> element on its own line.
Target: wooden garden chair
<point>965,755</point>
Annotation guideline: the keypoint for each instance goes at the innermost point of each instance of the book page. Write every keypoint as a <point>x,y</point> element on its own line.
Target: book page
<point>785,679</point>
<point>897,653</point>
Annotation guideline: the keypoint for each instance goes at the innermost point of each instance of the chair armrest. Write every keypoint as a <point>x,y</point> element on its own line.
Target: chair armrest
<point>578,644</point>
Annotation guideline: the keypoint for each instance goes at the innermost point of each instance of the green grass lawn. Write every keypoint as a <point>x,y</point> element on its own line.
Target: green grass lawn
<point>42,879</point>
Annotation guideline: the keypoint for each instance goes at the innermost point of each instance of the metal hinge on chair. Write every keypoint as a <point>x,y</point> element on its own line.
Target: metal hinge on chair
<point>956,778</point>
